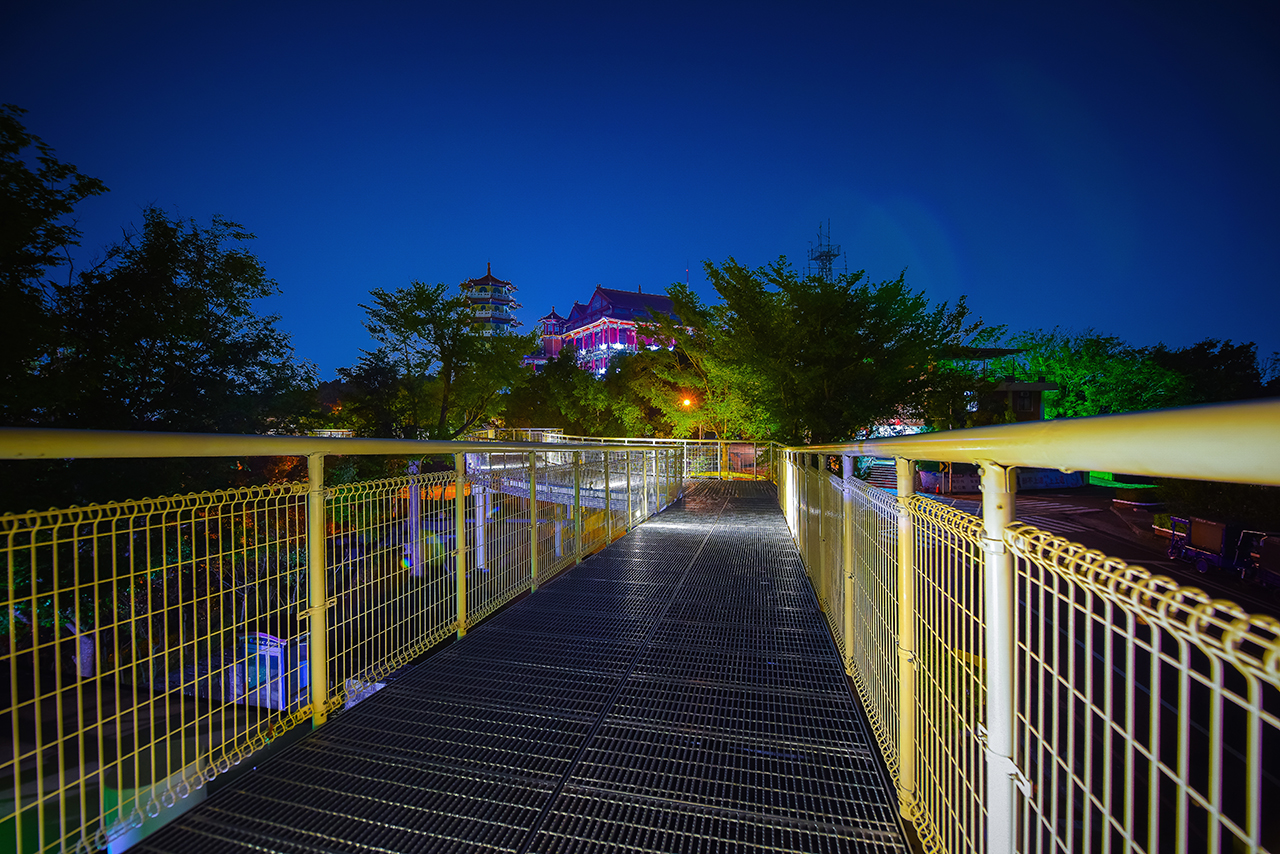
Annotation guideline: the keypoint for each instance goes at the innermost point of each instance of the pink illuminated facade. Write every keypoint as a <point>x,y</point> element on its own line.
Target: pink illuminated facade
<point>611,322</point>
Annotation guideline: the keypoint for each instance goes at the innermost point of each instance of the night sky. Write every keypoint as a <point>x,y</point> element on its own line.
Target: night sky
<point>1111,165</point>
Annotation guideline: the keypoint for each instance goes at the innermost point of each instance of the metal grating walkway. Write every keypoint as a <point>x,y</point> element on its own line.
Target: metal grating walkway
<point>677,692</point>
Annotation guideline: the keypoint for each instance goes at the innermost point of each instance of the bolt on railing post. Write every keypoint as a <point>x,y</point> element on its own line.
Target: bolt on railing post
<point>906,642</point>
<point>460,537</point>
<point>999,487</point>
<point>608,501</point>
<point>630,515</point>
<point>578,527</point>
<point>846,537</point>
<point>317,592</point>
<point>533,521</point>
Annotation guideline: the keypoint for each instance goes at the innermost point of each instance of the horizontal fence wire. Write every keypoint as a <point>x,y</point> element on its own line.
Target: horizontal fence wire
<point>950,675</point>
<point>391,555</point>
<point>149,646</point>
<point>1147,713</point>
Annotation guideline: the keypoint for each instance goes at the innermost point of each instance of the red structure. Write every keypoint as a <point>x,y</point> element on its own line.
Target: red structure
<point>611,322</point>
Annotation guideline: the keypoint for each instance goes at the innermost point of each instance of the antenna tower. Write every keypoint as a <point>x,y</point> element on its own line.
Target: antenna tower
<point>822,255</point>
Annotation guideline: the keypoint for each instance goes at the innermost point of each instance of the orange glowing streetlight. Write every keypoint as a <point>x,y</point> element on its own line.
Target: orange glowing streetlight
<point>688,402</point>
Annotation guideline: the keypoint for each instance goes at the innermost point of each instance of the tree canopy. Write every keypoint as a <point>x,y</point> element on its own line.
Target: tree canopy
<point>804,359</point>
<point>448,376</point>
<point>37,195</point>
<point>163,335</point>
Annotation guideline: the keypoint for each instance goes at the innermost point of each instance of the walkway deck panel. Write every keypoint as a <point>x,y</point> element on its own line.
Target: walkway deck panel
<point>676,692</point>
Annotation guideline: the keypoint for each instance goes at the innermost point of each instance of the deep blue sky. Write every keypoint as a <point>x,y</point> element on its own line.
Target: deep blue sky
<point>1111,165</point>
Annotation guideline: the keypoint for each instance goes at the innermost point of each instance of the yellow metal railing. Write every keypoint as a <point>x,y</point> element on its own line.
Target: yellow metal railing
<point>1030,694</point>
<point>719,458</point>
<point>149,646</point>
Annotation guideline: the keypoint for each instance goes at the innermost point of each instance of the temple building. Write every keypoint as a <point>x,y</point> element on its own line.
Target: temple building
<point>491,302</point>
<point>611,322</point>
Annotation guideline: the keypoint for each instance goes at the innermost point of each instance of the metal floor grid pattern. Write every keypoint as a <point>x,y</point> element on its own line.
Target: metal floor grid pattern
<point>677,691</point>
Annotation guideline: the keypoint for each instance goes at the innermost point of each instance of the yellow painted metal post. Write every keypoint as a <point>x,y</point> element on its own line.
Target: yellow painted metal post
<point>460,537</point>
<point>846,543</point>
<point>907,799</point>
<point>578,527</point>
<point>317,591</point>
<point>644,484</point>
<point>630,514</point>
<point>533,520</point>
<point>820,580</point>
<point>608,500</point>
<point>999,486</point>
<point>724,460</point>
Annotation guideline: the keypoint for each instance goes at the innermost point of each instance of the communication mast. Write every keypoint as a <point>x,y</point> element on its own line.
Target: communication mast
<point>823,255</point>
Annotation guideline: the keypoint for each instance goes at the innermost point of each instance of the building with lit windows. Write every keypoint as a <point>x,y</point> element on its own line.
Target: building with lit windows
<point>492,302</point>
<point>611,322</point>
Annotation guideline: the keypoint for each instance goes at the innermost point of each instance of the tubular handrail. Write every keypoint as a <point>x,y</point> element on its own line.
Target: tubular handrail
<point>25,443</point>
<point>1228,442</point>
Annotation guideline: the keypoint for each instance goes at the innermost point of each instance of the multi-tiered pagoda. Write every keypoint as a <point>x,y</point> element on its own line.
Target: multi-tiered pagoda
<point>492,302</point>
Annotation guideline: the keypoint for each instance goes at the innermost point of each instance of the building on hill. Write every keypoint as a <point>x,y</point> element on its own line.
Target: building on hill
<point>611,322</point>
<point>492,302</point>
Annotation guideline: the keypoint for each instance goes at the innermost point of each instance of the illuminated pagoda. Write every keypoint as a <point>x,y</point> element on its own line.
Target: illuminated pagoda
<point>492,303</point>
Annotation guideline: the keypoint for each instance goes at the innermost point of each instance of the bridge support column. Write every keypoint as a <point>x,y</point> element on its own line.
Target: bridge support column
<point>906,642</point>
<point>460,538</point>
<point>999,485</point>
<point>317,592</point>
<point>533,521</point>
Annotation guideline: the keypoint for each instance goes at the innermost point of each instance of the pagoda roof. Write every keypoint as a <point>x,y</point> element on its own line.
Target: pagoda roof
<point>488,279</point>
<point>619,305</point>
<point>551,316</point>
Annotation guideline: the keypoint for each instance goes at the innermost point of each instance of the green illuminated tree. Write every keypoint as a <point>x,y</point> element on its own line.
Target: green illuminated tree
<point>802,359</point>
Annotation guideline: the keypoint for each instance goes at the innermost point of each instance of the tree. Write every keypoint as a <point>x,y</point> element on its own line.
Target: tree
<point>811,360</point>
<point>451,376</point>
<point>162,335</point>
<point>1215,371</point>
<point>35,236</point>
<point>1096,374</point>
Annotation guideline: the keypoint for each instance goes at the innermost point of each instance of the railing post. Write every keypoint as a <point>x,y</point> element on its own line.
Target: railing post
<point>684,464</point>
<point>644,484</point>
<point>533,521</point>
<point>846,494</point>
<point>999,486</point>
<point>578,527</point>
<point>906,642</point>
<point>631,519</point>
<point>317,592</point>
<point>608,501</point>
<point>821,580</point>
<point>460,537</point>
<point>724,460</point>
